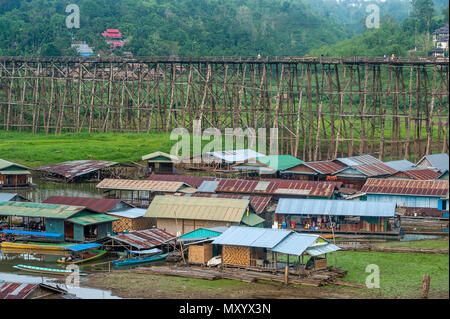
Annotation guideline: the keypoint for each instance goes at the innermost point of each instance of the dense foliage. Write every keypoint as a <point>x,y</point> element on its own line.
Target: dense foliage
<point>393,36</point>
<point>169,27</point>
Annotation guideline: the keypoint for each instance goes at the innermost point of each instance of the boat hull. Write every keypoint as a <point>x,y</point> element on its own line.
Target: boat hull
<point>49,271</point>
<point>34,246</point>
<point>99,254</point>
<point>132,262</point>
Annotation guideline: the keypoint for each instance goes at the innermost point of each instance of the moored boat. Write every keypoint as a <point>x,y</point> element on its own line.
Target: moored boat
<point>43,270</point>
<point>34,245</point>
<point>82,253</point>
<point>141,260</point>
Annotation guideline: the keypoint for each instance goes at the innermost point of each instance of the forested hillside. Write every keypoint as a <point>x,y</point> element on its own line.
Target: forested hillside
<point>393,36</point>
<point>169,27</point>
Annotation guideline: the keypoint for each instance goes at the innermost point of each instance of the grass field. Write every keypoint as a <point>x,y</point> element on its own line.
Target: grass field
<point>442,243</point>
<point>400,273</point>
<point>38,149</point>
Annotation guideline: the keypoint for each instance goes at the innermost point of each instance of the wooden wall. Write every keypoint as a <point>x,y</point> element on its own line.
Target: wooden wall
<point>200,253</point>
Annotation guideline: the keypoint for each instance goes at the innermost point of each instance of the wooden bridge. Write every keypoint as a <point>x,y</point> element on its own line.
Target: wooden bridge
<point>323,107</point>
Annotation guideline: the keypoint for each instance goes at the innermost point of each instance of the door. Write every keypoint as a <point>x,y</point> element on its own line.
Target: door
<point>68,230</point>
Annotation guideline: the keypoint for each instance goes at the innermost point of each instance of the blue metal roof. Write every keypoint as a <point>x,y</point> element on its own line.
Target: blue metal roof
<point>30,233</point>
<point>6,197</point>
<point>295,243</point>
<point>297,206</point>
<point>251,237</point>
<point>83,246</point>
<point>322,249</point>
<point>401,165</point>
<point>439,161</point>
<point>277,240</point>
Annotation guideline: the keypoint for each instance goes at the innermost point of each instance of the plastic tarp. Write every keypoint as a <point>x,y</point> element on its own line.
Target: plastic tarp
<point>30,233</point>
<point>83,246</point>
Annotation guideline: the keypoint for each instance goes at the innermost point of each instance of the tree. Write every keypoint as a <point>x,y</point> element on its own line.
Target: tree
<point>423,11</point>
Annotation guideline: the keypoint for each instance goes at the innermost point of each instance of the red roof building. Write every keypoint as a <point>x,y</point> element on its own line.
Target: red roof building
<point>112,34</point>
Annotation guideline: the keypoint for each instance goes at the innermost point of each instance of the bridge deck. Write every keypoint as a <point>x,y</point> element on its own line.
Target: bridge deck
<point>231,60</point>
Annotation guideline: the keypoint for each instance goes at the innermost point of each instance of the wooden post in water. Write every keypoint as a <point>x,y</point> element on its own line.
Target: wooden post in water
<point>425,286</point>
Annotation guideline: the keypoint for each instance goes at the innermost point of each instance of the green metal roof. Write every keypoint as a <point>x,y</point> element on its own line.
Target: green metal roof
<point>27,209</point>
<point>85,218</point>
<point>7,164</point>
<point>198,208</point>
<point>279,162</point>
<point>252,219</point>
<point>201,233</point>
<point>160,157</point>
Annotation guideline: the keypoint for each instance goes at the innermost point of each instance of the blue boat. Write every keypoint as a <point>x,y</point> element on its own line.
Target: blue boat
<point>135,261</point>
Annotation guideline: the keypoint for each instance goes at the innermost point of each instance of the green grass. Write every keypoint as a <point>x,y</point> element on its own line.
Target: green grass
<point>38,149</point>
<point>400,273</point>
<point>442,243</point>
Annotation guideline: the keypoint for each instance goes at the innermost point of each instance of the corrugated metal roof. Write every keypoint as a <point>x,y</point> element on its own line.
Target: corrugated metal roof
<point>168,157</point>
<point>400,165</point>
<point>16,290</point>
<point>435,188</point>
<point>258,203</point>
<point>130,213</point>
<point>235,156</point>
<point>375,169</point>
<point>73,169</point>
<point>252,219</point>
<point>322,249</point>
<point>278,240</point>
<point>144,239</point>
<point>255,187</point>
<point>5,164</point>
<point>182,207</point>
<point>297,206</point>
<point>271,162</point>
<point>326,167</point>
<point>85,218</point>
<point>439,161</point>
<point>295,244</point>
<point>28,209</point>
<point>368,165</point>
<point>15,172</point>
<point>208,186</point>
<point>359,160</point>
<point>194,181</point>
<point>201,233</point>
<point>422,174</point>
<point>140,185</point>
<point>251,237</point>
<point>6,197</point>
<point>99,205</point>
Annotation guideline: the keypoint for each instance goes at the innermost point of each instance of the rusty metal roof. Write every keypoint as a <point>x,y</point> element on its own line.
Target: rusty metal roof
<point>258,187</point>
<point>405,187</point>
<point>258,203</point>
<point>73,169</point>
<point>99,205</point>
<point>16,290</point>
<point>368,165</point>
<point>144,239</point>
<point>326,167</point>
<point>422,174</point>
<point>182,207</point>
<point>194,181</point>
<point>141,185</point>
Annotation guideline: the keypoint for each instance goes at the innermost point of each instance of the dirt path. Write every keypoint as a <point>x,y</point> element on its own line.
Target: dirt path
<point>126,284</point>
